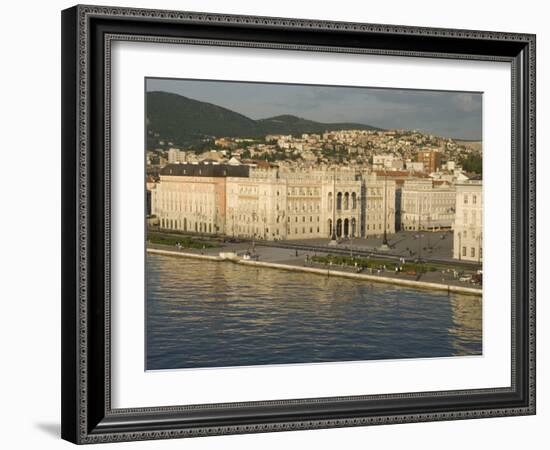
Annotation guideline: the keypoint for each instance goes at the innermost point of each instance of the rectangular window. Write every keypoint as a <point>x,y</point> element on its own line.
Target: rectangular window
<point>473,252</point>
<point>465,199</point>
<point>463,251</point>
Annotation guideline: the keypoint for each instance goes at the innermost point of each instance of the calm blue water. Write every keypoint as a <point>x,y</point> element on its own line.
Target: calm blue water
<point>210,314</point>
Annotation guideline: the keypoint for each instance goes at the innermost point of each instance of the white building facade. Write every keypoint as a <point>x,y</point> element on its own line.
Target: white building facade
<point>256,206</point>
<point>278,204</point>
<point>192,197</point>
<point>426,205</point>
<point>175,156</point>
<point>468,226</point>
<point>387,161</point>
<point>380,202</point>
<point>272,203</point>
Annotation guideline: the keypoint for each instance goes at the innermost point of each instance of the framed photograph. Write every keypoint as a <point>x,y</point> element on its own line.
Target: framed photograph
<point>279,224</point>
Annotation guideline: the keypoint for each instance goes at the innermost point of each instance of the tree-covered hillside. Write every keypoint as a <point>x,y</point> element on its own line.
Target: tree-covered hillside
<point>184,121</point>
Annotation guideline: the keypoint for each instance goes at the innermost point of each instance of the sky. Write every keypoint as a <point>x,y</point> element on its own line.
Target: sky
<point>453,114</point>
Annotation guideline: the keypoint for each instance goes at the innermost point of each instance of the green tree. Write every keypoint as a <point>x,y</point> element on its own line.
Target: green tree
<point>473,163</point>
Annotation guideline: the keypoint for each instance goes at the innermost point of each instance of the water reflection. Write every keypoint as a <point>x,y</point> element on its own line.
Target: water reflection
<point>209,314</point>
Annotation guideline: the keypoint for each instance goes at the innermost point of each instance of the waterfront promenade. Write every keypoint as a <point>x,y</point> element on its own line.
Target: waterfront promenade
<point>293,259</point>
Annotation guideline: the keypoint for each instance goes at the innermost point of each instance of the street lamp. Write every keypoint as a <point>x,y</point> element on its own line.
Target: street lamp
<point>385,240</point>
<point>479,249</point>
<point>460,245</point>
<point>333,237</point>
<point>428,234</point>
<point>351,243</point>
<point>333,225</point>
<point>254,216</point>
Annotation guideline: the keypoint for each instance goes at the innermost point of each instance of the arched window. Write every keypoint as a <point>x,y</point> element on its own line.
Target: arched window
<point>346,200</point>
<point>330,201</point>
<point>339,201</point>
<point>353,201</point>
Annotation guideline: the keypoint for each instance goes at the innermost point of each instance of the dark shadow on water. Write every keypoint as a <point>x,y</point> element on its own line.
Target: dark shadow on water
<point>53,429</point>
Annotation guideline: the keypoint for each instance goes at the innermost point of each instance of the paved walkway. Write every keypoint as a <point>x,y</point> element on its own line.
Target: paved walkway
<point>301,259</point>
<point>410,244</point>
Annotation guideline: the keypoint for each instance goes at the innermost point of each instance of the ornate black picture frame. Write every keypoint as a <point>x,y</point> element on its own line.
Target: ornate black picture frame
<point>87,35</point>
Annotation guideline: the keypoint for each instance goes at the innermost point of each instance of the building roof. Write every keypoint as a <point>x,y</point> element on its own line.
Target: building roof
<point>473,176</point>
<point>234,162</point>
<point>262,164</point>
<point>205,170</point>
<point>400,174</point>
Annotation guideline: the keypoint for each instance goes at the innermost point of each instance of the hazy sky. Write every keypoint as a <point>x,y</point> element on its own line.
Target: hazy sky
<point>451,114</point>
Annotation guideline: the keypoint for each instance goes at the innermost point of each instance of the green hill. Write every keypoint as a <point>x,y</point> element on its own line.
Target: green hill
<point>288,124</point>
<point>184,121</point>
